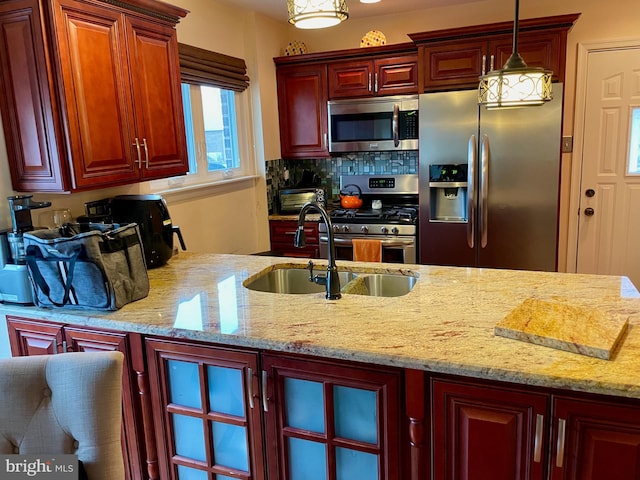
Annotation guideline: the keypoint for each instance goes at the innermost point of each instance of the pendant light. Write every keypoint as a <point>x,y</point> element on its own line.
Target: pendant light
<point>516,84</point>
<point>317,13</point>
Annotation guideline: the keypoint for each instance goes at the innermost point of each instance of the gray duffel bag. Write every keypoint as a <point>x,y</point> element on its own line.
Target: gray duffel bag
<point>97,266</point>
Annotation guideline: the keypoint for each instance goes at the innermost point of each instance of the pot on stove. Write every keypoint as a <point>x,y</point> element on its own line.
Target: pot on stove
<point>351,196</point>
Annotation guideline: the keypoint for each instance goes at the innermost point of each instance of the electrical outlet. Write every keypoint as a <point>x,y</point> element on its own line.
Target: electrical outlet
<point>567,144</point>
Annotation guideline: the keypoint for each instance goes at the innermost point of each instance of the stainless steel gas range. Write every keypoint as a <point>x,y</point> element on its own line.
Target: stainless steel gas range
<point>393,220</point>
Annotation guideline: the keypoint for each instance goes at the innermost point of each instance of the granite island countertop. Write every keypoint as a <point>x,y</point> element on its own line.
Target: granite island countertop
<point>445,324</point>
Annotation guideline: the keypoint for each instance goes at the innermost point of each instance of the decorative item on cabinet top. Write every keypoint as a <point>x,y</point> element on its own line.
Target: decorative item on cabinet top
<point>373,38</point>
<point>296,48</point>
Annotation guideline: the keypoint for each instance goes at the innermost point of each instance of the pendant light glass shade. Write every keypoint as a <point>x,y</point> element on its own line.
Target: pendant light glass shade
<point>517,87</point>
<point>516,84</point>
<point>309,14</point>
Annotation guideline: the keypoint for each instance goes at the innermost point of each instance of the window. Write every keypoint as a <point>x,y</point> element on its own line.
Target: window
<point>216,115</point>
<point>634,143</point>
<point>213,131</point>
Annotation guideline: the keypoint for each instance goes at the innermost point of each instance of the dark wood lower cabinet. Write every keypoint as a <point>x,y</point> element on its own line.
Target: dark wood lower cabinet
<point>217,413</point>
<point>193,410</point>
<point>206,411</point>
<point>487,432</point>
<point>595,440</point>
<point>330,420</point>
<point>38,337</point>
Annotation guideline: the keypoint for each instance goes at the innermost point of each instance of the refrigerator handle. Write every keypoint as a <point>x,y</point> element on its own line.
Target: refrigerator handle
<point>485,156</point>
<point>472,159</point>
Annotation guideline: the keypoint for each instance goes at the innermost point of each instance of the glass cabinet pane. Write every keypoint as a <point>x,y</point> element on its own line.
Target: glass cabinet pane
<point>355,412</point>
<point>304,404</point>
<point>230,446</point>
<point>188,437</point>
<point>307,460</point>
<point>226,392</point>
<point>186,473</point>
<point>184,383</point>
<point>353,464</point>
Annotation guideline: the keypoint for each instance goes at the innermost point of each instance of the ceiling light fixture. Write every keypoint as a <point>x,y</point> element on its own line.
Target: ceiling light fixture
<point>317,13</point>
<point>369,1</point>
<point>516,84</point>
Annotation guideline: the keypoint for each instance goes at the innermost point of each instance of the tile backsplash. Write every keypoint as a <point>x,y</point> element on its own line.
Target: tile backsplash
<point>329,170</point>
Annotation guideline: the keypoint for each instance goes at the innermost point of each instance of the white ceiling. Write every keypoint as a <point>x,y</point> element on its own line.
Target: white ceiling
<point>277,9</point>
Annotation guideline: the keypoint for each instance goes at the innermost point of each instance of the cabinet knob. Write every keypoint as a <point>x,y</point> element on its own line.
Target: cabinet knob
<point>589,192</point>
<point>589,211</point>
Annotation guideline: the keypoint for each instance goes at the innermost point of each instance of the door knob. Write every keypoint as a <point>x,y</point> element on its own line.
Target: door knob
<point>589,211</point>
<point>589,192</point>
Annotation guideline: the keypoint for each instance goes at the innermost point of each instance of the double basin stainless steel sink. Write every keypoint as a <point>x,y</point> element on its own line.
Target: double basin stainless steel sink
<point>295,280</point>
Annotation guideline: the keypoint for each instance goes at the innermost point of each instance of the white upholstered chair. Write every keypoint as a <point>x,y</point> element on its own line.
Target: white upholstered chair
<point>69,403</point>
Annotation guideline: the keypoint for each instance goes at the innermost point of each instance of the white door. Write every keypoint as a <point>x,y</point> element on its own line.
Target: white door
<point>609,212</point>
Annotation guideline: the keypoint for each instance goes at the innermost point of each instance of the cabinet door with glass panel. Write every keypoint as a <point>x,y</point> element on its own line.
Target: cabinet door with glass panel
<point>330,421</point>
<point>206,415</point>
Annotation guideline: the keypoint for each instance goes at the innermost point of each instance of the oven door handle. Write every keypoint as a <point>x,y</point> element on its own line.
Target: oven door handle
<point>385,243</point>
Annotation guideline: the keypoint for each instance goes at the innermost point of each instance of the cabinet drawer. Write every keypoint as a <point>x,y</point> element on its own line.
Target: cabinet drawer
<point>283,231</point>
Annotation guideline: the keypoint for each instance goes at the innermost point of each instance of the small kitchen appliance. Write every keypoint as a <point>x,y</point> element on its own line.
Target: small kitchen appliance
<point>394,223</point>
<point>291,200</point>
<point>373,124</point>
<point>15,286</point>
<point>151,214</point>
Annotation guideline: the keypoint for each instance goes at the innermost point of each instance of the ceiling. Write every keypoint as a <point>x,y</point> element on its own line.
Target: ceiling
<point>277,9</point>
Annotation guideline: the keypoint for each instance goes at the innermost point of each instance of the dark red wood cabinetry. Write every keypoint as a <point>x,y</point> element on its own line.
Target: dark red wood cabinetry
<point>38,337</point>
<point>333,416</point>
<point>82,83</point>
<point>207,410</point>
<point>482,432</point>
<point>393,75</point>
<point>282,233</point>
<point>455,58</point>
<point>302,106</point>
<point>306,82</point>
<point>595,440</point>
<point>219,410</point>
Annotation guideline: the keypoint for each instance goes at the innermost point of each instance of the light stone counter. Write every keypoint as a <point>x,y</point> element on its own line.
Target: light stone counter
<point>445,324</point>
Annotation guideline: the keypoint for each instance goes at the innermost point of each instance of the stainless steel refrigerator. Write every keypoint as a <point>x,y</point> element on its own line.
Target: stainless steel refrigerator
<point>489,182</point>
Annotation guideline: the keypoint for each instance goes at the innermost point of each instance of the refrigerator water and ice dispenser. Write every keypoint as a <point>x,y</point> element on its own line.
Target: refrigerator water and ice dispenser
<point>448,193</point>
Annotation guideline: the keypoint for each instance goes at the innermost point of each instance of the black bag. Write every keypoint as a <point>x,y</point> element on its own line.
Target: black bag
<point>101,267</point>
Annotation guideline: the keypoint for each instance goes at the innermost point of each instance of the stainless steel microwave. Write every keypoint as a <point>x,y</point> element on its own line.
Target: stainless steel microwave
<point>373,124</point>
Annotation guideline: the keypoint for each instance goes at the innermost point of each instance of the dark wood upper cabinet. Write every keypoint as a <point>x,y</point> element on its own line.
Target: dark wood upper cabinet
<point>91,93</point>
<point>455,58</point>
<point>302,106</point>
<point>364,78</point>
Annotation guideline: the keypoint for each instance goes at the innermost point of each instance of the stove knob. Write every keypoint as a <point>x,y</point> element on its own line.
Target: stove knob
<point>384,230</point>
<point>395,230</point>
<point>364,229</point>
<point>336,228</point>
<point>345,228</point>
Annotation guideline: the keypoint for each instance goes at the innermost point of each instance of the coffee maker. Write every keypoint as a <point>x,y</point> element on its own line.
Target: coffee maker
<point>15,286</point>
<point>151,214</point>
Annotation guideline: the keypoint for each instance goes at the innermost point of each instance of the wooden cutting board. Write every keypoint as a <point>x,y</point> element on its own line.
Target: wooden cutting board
<point>567,327</point>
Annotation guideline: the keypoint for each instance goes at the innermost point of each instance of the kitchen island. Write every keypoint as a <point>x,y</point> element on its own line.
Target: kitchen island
<point>440,333</point>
